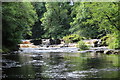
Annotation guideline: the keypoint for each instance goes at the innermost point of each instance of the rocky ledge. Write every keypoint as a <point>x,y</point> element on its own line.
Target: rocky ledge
<point>103,50</point>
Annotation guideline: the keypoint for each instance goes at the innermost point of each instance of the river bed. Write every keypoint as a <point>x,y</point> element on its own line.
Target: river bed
<point>49,65</point>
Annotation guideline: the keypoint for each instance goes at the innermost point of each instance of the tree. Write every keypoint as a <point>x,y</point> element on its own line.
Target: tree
<point>16,21</point>
<point>55,20</point>
<point>96,19</point>
<point>38,29</point>
<point>80,25</point>
<point>107,16</point>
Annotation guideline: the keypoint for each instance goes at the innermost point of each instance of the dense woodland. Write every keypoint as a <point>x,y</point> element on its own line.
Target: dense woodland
<point>57,20</point>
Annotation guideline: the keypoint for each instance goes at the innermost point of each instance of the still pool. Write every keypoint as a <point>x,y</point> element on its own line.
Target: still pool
<point>60,66</point>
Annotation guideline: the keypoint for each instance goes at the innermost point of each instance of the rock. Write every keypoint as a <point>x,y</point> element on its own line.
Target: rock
<point>92,42</point>
<point>26,42</point>
<point>72,45</point>
<point>45,41</point>
<point>36,42</point>
<point>95,43</point>
<point>52,42</point>
<point>55,41</point>
<point>116,52</point>
<point>108,52</point>
<point>27,46</point>
<point>99,51</point>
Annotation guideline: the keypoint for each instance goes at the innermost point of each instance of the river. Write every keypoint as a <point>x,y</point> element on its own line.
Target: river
<point>59,66</point>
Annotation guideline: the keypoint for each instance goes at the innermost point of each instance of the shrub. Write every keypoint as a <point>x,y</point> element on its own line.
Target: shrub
<point>105,39</point>
<point>72,38</point>
<point>112,40</point>
<point>67,39</point>
<point>82,46</point>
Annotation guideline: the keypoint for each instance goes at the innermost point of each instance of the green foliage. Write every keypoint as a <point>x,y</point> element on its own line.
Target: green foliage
<point>80,25</point>
<point>67,39</point>
<point>82,46</point>
<point>112,40</point>
<point>55,20</point>
<point>17,17</point>
<point>94,20</point>
<point>38,29</point>
<point>105,39</point>
<point>72,38</point>
<point>108,15</point>
<point>108,20</point>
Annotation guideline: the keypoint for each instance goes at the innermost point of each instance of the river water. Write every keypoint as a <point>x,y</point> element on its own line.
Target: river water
<point>59,66</point>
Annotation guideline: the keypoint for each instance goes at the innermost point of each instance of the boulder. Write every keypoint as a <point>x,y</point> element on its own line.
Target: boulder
<point>52,42</point>
<point>99,51</point>
<point>45,41</point>
<point>36,42</point>
<point>26,42</point>
<point>57,41</point>
<point>116,52</point>
<point>27,46</point>
<point>92,42</point>
<point>108,52</point>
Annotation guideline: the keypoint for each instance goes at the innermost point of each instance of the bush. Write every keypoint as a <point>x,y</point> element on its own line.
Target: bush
<point>111,40</point>
<point>114,41</point>
<point>72,38</point>
<point>105,39</point>
<point>82,46</point>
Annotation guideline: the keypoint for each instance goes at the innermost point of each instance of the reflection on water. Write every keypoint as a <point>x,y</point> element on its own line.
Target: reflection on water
<point>60,66</point>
